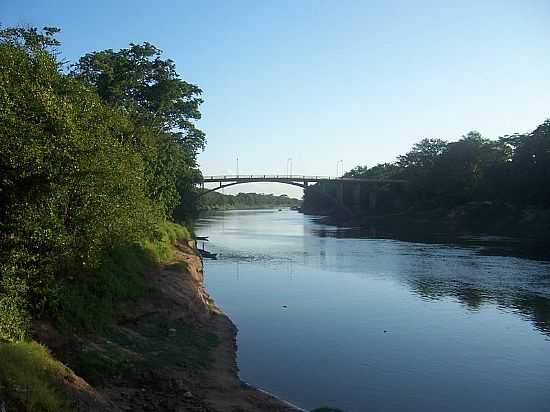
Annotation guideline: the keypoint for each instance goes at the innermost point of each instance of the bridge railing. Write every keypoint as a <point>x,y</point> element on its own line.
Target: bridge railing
<point>301,177</point>
<point>293,178</point>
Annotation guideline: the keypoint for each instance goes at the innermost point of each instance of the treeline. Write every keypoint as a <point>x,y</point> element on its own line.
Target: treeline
<point>512,170</point>
<point>97,160</point>
<point>216,200</point>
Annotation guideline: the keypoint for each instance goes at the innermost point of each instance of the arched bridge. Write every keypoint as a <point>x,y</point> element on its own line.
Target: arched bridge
<point>294,180</point>
<point>328,185</point>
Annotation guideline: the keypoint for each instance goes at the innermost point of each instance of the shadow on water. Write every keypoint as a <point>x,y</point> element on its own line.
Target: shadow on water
<point>486,244</point>
<point>533,304</point>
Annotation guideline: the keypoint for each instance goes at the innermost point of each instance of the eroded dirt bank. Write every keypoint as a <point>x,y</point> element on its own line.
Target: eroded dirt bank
<point>173,350</point>
<point>219,387</point>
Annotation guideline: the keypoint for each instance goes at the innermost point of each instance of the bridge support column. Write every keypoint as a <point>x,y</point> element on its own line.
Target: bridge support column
<point>357,196</point>
<point>372,200</point>
<point>340,194</point>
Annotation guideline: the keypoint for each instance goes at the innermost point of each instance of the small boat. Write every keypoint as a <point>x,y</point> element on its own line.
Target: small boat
<point>207,254</point>
<point>201,238</point>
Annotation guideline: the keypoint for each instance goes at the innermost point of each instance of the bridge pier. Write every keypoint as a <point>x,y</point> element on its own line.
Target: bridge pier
<point>372,199</point>
<point>340,193</point>
<point>357,196</point>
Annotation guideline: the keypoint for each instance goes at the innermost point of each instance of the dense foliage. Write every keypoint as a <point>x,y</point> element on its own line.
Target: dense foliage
<point>216,200</point>
<point>93,164</point>
<point>161,107</point>
<point>512,170</point>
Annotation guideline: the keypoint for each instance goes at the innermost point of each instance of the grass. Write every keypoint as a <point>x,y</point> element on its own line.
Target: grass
<point>91,299</point>
<point>31,378</point>
<point>106,353</point>
<point>123,354</point>
<point>160,248</point>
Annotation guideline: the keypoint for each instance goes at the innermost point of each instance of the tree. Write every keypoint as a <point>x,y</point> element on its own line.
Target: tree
<point>513,169</point>
<point>163,108</point>
<point>71,186</point>
<point>380,171</point>
<point>466,169</point>
<point>31,39</point>
<point>529,168</point>
<point>423,155</point>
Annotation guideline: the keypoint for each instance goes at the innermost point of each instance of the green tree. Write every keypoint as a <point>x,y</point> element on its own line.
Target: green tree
<point>163,107</point>
<point>423,155</point>
<point>468,169</point>
<point>418,168</point>
<point>529,168</point>
<point>71,188</point>
<point>380,171</point>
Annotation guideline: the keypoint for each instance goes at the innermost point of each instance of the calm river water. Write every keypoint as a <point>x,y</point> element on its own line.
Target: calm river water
<point>365,324</point>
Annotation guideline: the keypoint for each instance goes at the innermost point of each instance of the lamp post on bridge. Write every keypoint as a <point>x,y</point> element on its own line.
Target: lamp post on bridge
<point>338,168</point>
<point>289,166</point>
<point>237,165</point>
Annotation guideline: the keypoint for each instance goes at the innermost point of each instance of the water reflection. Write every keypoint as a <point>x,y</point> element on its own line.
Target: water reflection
<point>457,315</point>
<point>433,266</point>
<point>519,285</point>
<point>490,245</point>
<point>533,307</point>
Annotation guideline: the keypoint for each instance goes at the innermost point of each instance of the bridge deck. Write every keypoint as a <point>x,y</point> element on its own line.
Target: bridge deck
<point>293,178</point>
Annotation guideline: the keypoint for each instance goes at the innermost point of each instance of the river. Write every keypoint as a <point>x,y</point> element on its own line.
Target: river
<point>330,316</point>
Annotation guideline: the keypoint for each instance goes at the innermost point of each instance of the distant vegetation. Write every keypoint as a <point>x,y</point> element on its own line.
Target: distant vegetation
<point>98,161</point>
<point>216,200</point>
<point>511,174</point>
<point>511,169</point>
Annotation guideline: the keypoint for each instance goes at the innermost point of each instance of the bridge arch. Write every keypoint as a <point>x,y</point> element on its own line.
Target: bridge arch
<point>222,186</point>
<point>302,181</point>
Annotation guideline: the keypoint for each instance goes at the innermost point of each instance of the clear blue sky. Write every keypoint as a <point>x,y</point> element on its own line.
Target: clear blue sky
<point>320,81</point>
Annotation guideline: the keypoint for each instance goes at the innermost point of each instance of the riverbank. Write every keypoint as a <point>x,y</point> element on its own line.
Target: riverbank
<point>219,201</point>
<point>472,218</point>
<point>172,350</point>
<point>216,208</point>
<point>219,387</point>
<point>336,316</point>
